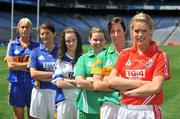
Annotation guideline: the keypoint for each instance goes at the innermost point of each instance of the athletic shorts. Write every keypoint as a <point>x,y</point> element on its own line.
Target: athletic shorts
<point>66,110</point>
<point>109,110</point>
<point>139,112</point>
<point>83,115</point>
<point>20,94</point>
<point>42,103</point>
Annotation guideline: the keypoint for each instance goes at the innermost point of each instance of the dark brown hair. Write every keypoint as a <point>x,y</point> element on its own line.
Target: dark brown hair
<point>63,48</point>
<point>47,26</point>
<point>116,20</point>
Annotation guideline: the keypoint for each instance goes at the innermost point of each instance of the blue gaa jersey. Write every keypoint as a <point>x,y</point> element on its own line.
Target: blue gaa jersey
<point>22,55</point>
<point>44,60</point>
<point>65,69</point>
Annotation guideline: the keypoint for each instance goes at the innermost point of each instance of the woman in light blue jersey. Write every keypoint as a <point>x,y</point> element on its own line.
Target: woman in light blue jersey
<point>17,58</point>
<point>69,51</point>
<point>42,62</point>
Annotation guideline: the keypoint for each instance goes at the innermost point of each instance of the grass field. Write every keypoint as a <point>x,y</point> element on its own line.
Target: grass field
<point>171,106</point>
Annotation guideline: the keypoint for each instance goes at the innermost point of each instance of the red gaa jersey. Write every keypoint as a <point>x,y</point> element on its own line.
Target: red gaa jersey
<point>133,66</point>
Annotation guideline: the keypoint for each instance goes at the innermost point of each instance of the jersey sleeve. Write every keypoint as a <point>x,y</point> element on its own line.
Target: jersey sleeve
<point>97,67</point>
<point>121,61</point>
<point>10,49</point>
<point>79,68</point>
<point>33,61</point>
<point>162,66</point>
<point>57,73</point>
<point>9,52</point>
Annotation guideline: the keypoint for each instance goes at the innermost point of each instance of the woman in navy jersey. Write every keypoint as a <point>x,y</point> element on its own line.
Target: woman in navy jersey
<point>17,58</point>
<point>42,62</point>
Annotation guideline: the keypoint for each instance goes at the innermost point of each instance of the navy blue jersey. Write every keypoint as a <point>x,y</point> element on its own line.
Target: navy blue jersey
<point>22,55</point>
<point>44,60</point>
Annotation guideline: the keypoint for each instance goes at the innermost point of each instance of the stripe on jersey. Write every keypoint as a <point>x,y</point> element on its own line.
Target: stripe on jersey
<point>157,112</point>
<point>148,99</point>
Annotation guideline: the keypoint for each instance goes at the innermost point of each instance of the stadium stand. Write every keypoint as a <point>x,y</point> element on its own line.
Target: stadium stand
<point>166,27</point>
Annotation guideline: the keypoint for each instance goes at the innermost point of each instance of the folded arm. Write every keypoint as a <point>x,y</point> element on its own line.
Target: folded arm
<point>41,75</point>
<point>14,65</point>
<point>84,82</point>
<point>66,83</point>
<point>119,83</point>
<point>150,88</point>
<point>99,84</point>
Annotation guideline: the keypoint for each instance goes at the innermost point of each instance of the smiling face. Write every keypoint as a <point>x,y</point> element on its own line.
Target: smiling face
<point>141,29</point>
<point>47,36</point>
<point>141,34</point>
<point>117,34</point>
<point>97,41</point>
<point>71,41</point>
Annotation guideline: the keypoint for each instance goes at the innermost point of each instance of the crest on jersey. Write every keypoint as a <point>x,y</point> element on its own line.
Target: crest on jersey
<point>16,52</point>
<point>49,55</point>
<point>148,63</point>
<point>109,62</point>
<point>90,64</point>
<point>128,63</point>
<point>41,57</point>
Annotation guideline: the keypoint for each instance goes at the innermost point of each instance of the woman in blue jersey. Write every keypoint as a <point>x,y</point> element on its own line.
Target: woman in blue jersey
<point>63,77</point>
<point>42,62</point>
<point>17,58</point>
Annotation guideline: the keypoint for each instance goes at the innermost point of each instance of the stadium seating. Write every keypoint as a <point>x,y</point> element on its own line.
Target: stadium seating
<point>165,27</point>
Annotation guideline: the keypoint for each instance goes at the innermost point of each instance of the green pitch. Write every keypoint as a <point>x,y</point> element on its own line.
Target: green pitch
<point>171,106</point>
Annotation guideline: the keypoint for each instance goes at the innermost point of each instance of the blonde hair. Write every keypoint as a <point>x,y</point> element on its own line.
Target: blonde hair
<point>142,17</point>
<point>26,20</point>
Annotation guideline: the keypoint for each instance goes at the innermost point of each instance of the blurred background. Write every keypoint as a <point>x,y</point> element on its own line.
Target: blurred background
<point>84,14</point>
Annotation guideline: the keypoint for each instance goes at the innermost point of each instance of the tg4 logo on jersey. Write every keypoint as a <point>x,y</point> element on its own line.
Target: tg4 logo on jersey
<point>137,73</point>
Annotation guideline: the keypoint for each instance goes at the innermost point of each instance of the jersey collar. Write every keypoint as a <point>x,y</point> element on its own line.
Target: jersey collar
<point>18,42</point>
<point>111,49</point>
<point>90,53</point>
<point>42,47</point>
<point>151,49</point>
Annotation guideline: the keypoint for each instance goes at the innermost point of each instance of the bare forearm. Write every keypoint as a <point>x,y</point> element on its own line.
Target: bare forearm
<point>42,75</point>
<point>120,83</point>
<point>145,90</point>
<point>85,84</point>
<point>71,81</point>
<point>18,66</point>
<point>101,86</point>
<point>65,84</point>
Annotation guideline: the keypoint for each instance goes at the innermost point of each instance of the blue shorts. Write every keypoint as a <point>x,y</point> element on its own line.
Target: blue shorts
<point>20,94</point>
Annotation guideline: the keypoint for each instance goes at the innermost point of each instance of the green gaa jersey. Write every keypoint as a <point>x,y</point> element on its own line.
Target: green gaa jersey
<point>87,100</point>
<point>103,65</point>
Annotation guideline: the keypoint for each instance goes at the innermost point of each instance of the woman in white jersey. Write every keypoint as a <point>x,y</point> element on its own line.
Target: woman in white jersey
<point>63,77</point>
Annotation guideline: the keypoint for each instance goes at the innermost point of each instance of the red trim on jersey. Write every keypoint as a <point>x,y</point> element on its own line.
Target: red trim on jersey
<point>152,63</point>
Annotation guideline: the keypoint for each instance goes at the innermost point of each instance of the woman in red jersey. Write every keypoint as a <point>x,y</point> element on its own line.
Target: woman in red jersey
<point>143,61</point>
